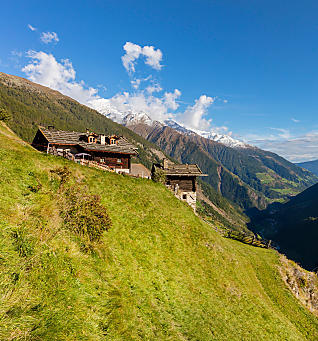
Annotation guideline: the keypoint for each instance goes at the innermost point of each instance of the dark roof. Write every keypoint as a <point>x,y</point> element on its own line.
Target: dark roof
<point>181,170</point>
<point>61,137</point>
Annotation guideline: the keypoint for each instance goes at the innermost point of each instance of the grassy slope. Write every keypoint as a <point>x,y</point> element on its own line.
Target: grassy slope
<point>159,273</point>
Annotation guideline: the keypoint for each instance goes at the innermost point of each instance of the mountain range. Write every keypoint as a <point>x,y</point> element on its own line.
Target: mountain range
<point>244,174</point>
<point>131,117</point>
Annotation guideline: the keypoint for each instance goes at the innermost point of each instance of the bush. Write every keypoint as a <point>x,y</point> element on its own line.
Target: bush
<point>84,214</point>
<point>4,115</point>
<point>63,172</point>
<point>159,176</point>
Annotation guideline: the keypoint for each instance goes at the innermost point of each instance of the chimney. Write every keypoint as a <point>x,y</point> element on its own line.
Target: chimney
<point>165,163</point>
<point>102,139</point>
<point>87,131</point>
<point>50,127</point>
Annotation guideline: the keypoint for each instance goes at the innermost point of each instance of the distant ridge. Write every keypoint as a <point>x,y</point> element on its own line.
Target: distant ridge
<point>312,166</point>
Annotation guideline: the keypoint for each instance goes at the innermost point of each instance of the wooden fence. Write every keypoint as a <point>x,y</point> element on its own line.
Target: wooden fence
<point>246,238</point>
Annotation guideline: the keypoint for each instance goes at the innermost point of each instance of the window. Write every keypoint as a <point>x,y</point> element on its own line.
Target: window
<point>118,160</point>
<point>112,141</point>
<point>184,196</point>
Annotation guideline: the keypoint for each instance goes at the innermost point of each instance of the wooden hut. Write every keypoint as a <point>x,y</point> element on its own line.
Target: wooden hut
<point>179,178</point>
<point>112,151</point>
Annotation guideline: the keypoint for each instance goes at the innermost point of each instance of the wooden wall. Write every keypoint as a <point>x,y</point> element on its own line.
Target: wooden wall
<point>186,183</point>
<point>111,159</point>
<point>40,142</point>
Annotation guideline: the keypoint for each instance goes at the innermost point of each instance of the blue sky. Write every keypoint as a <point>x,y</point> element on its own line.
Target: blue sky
<point>246,68</point>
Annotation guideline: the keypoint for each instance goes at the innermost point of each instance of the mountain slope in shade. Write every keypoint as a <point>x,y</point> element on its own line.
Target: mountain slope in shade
<point>294,226</point>
<point>312,166</point>
<point>247,176</point>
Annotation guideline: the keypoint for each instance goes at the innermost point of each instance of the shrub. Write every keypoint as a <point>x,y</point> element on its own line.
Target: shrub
<point>4,115</point>
<point>159,176</point>
<point>84,214</point>
<point>63,172</point>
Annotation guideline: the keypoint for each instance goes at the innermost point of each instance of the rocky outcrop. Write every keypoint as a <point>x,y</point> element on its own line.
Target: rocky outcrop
<point>302,283</point>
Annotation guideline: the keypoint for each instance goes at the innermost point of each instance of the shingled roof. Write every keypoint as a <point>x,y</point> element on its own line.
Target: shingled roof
<point>61,137</point>
<point>180,170</point>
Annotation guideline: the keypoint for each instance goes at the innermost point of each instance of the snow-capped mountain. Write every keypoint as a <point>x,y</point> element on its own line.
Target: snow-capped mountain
<point>220,138</point>
<point>131,117</point>
<point>224,139</point>
<point>125,117</point>
<point>137,118</point>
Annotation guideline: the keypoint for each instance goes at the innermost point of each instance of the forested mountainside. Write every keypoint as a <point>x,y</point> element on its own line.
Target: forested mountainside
<point>247,176</point>
<point>312,166</point>
<point>31,105</point>
<point>154,271</point>
<point>294,226</point>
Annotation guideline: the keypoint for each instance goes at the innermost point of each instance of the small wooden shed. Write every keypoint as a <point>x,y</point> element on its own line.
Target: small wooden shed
<point>180,178</point>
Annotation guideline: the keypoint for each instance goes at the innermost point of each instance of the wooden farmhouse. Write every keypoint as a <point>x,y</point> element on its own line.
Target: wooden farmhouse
<point>181,179</point>
<point>112,151</point>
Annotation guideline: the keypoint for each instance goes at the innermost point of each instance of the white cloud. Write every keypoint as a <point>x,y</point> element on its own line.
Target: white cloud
<point>31,27</point>
<point>157,108</point>
<point>49,37</point>
<point>170,99</point>
<point>294,120</point>
<point>153,88</point>
<point>282,133</point>
<point>135,83</point>
<point>134,51</point>
<point>46,70</point>
<point>295,149</point>
<point>222,130</point>
<point>193,117</point>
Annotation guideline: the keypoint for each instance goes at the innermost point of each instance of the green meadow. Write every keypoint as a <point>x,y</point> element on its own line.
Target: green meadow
<point>158,272</point>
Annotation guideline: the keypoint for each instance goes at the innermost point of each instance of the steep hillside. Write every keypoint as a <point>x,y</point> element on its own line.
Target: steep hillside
<point>312,166</point>
<point>294,226</point>
<point>158,273</point>
<point>247,176</point>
